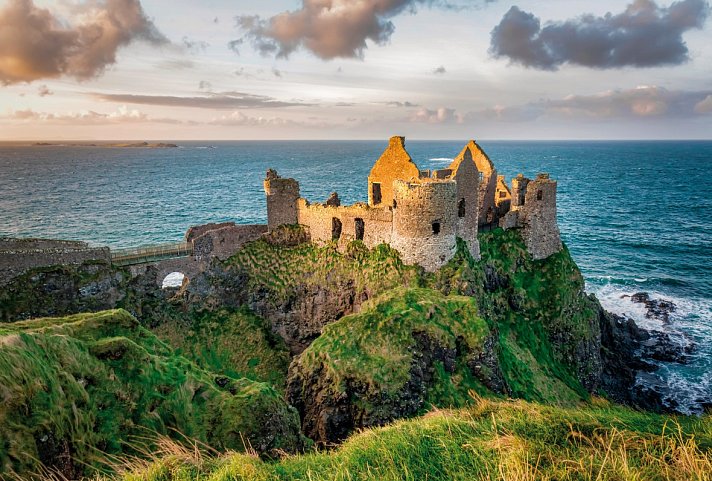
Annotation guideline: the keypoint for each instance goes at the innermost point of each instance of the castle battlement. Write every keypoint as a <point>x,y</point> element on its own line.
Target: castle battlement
<point>421,213</point>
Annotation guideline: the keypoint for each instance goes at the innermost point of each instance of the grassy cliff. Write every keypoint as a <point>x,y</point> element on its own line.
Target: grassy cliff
<point>77,390</point>
<point>490,440</point>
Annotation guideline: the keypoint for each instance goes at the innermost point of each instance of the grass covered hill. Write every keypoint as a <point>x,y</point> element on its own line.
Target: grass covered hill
<point>489,440</point>
<point>78,390</point>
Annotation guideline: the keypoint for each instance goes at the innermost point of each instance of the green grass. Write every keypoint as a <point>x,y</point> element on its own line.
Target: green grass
<point>280,270</point>
<point>235,343</point>
<point>374,348</point>
<point>93,385</point>
<point>490,440</point>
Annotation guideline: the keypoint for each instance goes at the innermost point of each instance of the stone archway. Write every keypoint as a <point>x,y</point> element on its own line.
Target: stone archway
<point>174,280</point>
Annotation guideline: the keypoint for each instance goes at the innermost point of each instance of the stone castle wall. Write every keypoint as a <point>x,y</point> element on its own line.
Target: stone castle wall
<point>282,196</point>
<point>223,240</point>
<point>374,223</point>
<point>425,222</point>
<point>537,218</point>
<point>467,178</point>
<point>18,256</point>
<point>394,164</point>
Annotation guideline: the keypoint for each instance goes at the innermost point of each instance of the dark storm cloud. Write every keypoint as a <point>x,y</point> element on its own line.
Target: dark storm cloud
<point>643,35</point>
<point>221,100</point>
<point>331,28</point>
<point>35,44</point>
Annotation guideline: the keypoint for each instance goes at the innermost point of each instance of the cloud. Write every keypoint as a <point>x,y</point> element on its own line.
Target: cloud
<point>643,35</point>
<point>44,91</point>
<point>239,119</point>
<point>642,102</point>
<point>195,46</point>
<point>35,44</point>
<point>441,115</point>
<point>704,106</point>
<point>88,117</point>
<point>401,104</point>
<point>217,100</point>
<point>330,28</point>
<point>440,70</point>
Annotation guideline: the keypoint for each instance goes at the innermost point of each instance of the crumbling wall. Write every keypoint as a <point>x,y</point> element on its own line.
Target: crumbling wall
<point>465,173</point>
<point>502,197</point>
<point>425,222</point>
<point>18,256</point>
<point>282,195</point>
<point>537,218</point>
<point>394,164</point>
<point>376,224</point>
<point>487,181</point>
<point>223,240</point>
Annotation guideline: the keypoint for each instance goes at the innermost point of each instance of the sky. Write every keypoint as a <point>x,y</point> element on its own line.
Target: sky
<point>354,69</point>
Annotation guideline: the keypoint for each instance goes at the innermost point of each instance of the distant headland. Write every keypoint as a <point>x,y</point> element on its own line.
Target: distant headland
<point>141,145</point>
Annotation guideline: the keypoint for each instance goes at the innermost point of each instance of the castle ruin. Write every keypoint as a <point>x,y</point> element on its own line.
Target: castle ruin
<point>421,213</point>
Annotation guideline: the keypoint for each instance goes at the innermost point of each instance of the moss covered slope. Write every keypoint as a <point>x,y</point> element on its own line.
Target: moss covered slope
<point>380,364</point>
<point>491,440</point>
<point>235,343</point>
<point>75,389</point>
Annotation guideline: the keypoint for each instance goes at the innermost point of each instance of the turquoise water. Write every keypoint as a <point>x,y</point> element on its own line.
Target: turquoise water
<point>636,215</point>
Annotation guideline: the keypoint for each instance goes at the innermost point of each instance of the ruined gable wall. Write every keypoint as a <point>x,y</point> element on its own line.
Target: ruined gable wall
<point>488,184</point>
<point>282,195</point>
<point>318,218</point>
<point>537,218</point>
<point>467,178</point>
<point>419,205</point>
<point>394,164</point>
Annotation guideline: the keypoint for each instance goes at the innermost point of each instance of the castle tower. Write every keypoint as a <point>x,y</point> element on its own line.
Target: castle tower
<point>425,222</point>
<point>282,195</point>
<point>537,218</point>
<point>465,173</point>
<point>519,190</point>
<point>394,164</point>
<point>487,181</point>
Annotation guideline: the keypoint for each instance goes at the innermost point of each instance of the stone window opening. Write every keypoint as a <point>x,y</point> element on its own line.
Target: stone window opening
<point>539,195</point>
<point>502,194</point>
<point>461,208</point>
<point>360,228</point>
<point>436,228</point>
<point>335,228</point>
<point>395,204</point>
<point>376,193</point>
<point>482,176</point>
<point>174,280</point>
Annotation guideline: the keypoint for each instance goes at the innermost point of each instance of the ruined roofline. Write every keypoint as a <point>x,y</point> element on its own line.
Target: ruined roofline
<point>476,153</point>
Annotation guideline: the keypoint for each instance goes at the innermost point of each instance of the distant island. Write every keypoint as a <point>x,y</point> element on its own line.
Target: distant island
<point>143,145</point>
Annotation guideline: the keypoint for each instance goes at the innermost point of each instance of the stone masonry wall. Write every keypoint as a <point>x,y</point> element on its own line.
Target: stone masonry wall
<point>17,256</point>
<point>282,195</point>
<point>319,218</point>
<point>223,242</point>
<point>537,218</point>
<point>465,173</point>
<point>394,164</point>
<point>425,222</point>
<point>487,182</point>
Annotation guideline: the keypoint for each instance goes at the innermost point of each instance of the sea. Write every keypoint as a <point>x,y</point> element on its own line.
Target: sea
<point>636,215</point>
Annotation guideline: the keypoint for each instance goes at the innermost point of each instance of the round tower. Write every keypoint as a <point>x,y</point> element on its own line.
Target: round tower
<point>425,222</point>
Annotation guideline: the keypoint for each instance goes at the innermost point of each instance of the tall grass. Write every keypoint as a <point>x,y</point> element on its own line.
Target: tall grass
<point>490,440</point>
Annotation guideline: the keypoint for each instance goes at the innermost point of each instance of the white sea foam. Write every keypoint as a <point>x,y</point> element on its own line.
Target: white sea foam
<point>441,159</point>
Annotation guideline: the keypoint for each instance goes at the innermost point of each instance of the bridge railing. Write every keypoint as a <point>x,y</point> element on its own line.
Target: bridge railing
<point>139,255</point>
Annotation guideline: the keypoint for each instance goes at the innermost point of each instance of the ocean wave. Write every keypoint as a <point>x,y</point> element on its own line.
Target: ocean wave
<point>440,159</point>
